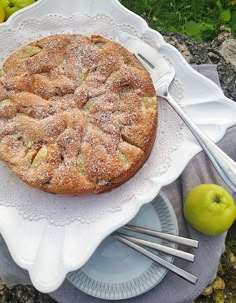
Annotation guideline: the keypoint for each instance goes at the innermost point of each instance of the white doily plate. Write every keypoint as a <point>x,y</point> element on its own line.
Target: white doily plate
<point>51,235</point>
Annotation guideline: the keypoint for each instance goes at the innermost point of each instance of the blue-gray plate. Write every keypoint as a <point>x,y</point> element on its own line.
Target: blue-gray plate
<point>117,272</point>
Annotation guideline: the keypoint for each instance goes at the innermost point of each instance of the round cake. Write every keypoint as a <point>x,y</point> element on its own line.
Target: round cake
<point>77,114</point>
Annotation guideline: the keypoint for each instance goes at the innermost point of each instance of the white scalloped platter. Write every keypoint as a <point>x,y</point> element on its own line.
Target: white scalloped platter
<point>51,235</point>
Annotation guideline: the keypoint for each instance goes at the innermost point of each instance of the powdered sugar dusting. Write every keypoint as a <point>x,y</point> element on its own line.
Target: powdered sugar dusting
<point>76,109</point>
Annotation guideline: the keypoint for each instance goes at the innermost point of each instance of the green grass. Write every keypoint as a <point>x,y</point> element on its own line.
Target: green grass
<point>199,19</point>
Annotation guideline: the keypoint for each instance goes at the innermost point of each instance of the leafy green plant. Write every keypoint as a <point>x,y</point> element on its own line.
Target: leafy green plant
<point>199,19</point>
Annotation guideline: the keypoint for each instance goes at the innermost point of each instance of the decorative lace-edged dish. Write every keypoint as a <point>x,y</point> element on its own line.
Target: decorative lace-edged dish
<point>47,234</point>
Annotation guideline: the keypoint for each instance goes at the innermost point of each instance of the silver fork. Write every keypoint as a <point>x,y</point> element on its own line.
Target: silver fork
<point>138,244</point>
<point>163,73</point>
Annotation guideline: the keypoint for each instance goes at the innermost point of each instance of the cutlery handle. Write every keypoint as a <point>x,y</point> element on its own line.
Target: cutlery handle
<point>224,165</point>
<point>162,248</point>
<point>161,235</point>
<point>180,272</point>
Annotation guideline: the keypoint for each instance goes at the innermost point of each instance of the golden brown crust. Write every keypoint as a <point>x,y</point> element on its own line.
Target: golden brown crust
<point>77,114</point>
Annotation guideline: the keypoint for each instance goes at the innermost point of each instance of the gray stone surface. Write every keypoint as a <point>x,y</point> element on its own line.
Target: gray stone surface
<point>23,294</point>
<point>228,51</point>
<point>221,51</point>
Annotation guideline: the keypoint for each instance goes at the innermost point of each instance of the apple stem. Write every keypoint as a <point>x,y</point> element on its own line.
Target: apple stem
<point>217,199</point>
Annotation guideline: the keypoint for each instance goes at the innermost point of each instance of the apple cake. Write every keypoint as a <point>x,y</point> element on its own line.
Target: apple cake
<point>78,114</point>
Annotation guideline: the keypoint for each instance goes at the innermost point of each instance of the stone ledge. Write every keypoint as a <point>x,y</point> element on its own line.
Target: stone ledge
<point>221,51</point>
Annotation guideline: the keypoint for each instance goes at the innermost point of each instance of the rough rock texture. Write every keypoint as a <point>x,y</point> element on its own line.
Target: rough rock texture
<point>214,53</point>
<point>221,51</point>
<point>228,51</point>
<point>22,294</point>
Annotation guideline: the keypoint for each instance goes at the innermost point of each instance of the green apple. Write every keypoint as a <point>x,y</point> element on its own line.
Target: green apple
<point>210,209</point>
<point>2,14</point>
<point>12,6</point>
